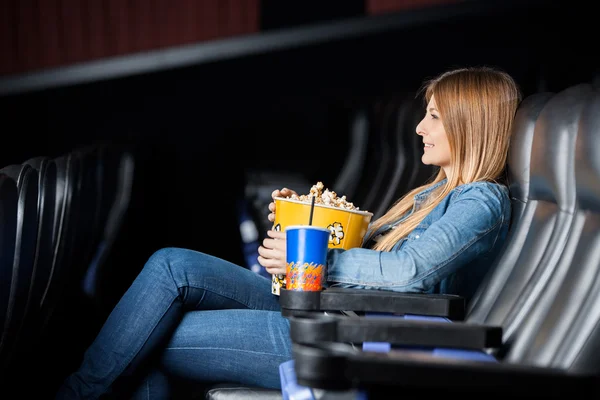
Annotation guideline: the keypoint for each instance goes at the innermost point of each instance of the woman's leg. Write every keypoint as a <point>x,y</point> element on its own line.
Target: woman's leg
<point>242,346</point>
<point>172,282</point>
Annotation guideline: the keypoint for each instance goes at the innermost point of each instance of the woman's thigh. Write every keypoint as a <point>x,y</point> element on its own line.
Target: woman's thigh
<point>205,282</point>
<point>243,346</point>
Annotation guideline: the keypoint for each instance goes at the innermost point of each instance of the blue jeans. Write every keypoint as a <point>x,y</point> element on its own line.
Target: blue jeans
<point>192,316</point>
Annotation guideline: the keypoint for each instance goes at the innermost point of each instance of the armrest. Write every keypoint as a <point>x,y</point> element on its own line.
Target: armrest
<point>396,331</point>
<point>336,366</point>
<point>360,300</point>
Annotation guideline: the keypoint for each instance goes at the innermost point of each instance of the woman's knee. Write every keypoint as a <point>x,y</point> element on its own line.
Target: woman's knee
<point>169,258</point>
<point>162,256</point>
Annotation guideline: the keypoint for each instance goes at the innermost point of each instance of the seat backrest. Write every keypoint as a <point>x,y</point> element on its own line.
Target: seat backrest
<point>372,164</point>
<point>519,155</point>
<point>562,330</point>
<point>9,198</point>
<point>383,153</point>
<point>347,180</point>
<point>24,254</point>
<point>67,172</point>
<point>552,195</point>
<point>116,186</point>
<point>387,160</point>
<point>87,207</point>
<point>392,129</point>
<point>519,179</point>
<point>44,249</point>
<point>107,181</point>
<point>553,184</point>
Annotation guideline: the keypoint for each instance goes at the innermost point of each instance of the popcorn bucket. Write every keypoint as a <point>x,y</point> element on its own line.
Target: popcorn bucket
<point>347,228</point>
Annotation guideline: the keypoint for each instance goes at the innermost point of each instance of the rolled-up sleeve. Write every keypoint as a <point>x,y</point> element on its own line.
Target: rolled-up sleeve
<point>468,228</point>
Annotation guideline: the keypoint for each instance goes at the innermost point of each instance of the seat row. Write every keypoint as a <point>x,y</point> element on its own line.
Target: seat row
<point>57,218</point>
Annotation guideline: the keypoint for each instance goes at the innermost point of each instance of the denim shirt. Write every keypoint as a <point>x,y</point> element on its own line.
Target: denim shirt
<point>449,252</point>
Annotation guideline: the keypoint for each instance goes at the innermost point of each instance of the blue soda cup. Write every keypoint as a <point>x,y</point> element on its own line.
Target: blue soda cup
<point>306,257</point>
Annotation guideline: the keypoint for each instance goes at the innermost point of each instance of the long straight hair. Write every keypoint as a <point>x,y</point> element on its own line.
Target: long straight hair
<point>477,106</point>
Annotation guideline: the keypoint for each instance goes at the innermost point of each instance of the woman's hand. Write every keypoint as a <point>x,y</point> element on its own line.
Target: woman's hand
<point>285,192</point>
<point>272,253</point>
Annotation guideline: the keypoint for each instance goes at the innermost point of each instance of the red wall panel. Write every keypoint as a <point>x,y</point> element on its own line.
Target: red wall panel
<point>39,34</point>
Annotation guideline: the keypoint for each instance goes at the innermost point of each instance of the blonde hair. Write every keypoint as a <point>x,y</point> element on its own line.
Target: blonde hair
<point>477,106</point>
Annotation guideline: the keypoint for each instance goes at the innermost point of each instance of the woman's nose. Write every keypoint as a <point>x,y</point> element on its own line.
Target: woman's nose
<point>419,130</point>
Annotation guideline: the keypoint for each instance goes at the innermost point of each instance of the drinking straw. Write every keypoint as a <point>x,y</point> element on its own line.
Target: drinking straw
<point>312,210</point>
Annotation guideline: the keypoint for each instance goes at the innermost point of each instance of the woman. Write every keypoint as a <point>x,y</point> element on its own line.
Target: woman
<point>192,316</point>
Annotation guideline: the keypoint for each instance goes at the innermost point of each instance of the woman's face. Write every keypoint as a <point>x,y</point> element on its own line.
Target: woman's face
<point>436,149</point>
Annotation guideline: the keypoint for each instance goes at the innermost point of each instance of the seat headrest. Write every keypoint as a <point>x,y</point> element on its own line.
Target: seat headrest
<point>37,162</point>
<point>519,155</point>
<point>553,150</point>
<point>587,161</point>
<point>18,172</point>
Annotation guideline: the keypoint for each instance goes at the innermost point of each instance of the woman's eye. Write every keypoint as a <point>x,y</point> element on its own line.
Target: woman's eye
<point>433,116</point>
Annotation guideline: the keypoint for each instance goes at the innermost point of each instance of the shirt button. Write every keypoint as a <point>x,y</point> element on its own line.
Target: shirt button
<point>416,237</point>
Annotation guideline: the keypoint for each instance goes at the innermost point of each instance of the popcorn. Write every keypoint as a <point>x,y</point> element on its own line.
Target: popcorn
<point>326,197</point>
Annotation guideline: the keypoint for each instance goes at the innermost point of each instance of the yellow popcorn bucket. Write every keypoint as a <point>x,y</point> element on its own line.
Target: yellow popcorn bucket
<point>347,227</point>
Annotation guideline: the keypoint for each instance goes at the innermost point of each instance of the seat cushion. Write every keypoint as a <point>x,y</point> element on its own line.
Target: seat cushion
<point>240,392</point>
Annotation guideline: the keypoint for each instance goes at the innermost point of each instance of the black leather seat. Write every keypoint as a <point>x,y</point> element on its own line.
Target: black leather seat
<point>9,200</point>
<point>348,179</point>
<point>74,314</point>
<point>519,176</point>
<point>26,178</point>
<point>28,331</point>
<point>383,158</point>
<point>78,320</point>
<point>110,177</point>
<point>376,157</point>
<point>560,330</point>
<point>65,217</point>
<point>92,187</point>
<point>87,223</point>
<point>523,204</point>
<point>115,184</point>
<point>553,350</point>
<point>58,332</point>
<point>552,194</point>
